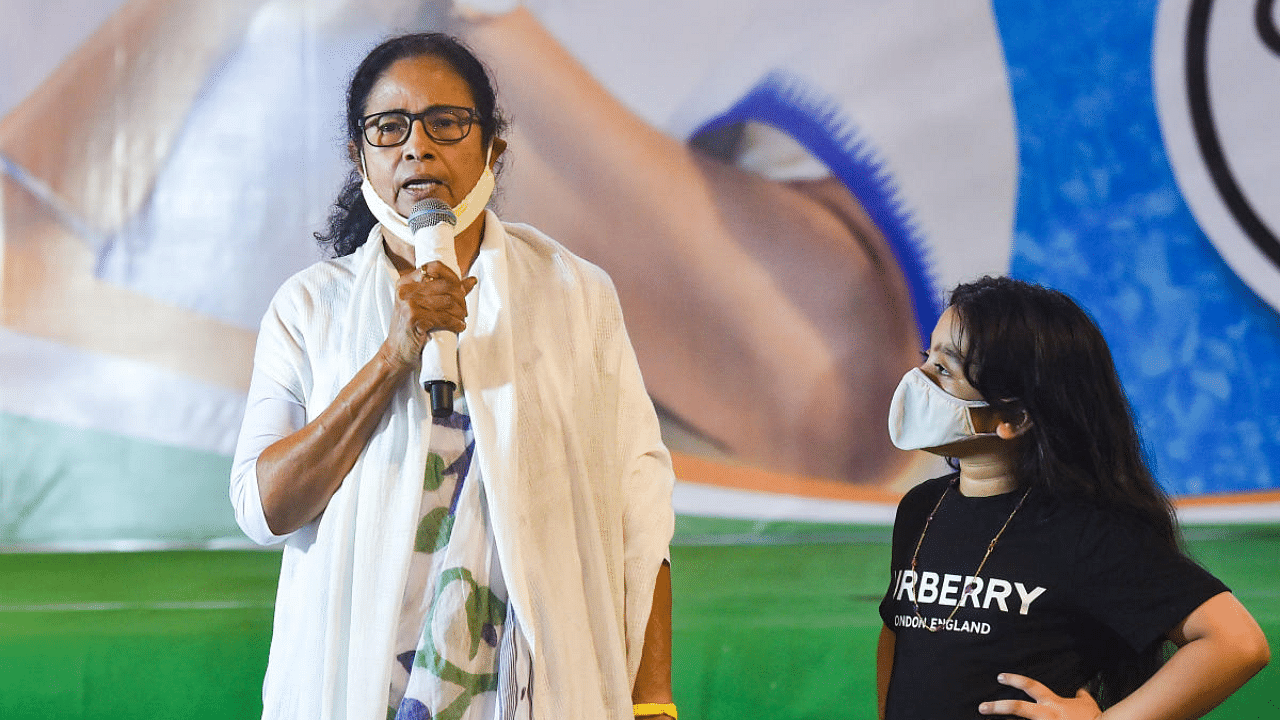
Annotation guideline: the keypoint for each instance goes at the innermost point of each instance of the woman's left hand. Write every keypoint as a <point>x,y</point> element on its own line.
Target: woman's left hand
<point>1047,704</point>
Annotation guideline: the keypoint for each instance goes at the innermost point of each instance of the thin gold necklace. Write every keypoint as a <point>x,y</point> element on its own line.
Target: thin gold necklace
<point>971,584</point>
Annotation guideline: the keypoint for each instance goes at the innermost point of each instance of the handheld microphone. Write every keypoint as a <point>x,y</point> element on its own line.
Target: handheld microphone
<point>432,222</point>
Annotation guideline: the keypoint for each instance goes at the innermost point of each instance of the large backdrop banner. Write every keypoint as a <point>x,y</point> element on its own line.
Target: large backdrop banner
<point>783,196</point>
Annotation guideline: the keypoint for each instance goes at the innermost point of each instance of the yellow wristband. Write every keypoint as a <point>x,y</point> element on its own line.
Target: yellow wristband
<point>647,709</point>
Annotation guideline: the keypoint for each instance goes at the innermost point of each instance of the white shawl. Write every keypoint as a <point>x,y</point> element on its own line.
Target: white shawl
<point>578,481</point>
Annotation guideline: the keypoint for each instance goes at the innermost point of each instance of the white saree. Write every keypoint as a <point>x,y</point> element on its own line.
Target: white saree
<point>577,479</point>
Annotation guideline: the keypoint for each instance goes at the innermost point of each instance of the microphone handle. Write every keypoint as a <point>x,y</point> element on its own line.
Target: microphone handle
<point>441,392</point>
<point>439,373</point>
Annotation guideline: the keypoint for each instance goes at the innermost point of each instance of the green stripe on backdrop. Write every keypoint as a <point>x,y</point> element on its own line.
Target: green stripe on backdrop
<point>782,627</point>
<point>67,486</point>
<point>134,635</point>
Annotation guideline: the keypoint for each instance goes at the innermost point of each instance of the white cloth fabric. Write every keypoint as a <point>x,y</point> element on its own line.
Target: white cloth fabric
<point>271,414</point>
<point>454,612</point>
<point>578,481</point>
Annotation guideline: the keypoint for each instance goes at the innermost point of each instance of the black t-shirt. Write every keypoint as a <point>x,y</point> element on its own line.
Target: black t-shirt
<point>1068,589</point>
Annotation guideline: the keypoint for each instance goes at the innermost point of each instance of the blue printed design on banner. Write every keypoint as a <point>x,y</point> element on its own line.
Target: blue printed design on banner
<point>1100,216</point>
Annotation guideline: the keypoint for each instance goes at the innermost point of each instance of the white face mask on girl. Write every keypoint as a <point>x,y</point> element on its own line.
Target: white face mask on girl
<point>466,211</point>
<point>923,415</point>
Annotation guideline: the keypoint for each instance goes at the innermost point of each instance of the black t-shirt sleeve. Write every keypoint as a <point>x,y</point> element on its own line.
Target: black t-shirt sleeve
<point>1132,582</point>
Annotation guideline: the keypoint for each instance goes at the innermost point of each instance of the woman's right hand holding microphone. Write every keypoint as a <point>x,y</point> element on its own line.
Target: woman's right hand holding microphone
<point>428,298</point>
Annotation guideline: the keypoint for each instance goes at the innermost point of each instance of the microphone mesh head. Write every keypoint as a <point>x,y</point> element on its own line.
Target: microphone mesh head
<point>429,212</point>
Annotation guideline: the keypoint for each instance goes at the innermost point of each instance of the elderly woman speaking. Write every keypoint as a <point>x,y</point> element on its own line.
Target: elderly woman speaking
<point>502,559</point>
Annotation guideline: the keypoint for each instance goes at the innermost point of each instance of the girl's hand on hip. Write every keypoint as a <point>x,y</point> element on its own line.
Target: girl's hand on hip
<point>1046,705</point>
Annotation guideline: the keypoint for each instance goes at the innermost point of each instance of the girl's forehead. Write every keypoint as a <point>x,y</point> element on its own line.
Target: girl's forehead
<point>947,333</point>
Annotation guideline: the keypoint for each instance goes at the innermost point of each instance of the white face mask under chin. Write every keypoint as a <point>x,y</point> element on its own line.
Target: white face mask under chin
<point>467,211</point>
<point>923,415</point>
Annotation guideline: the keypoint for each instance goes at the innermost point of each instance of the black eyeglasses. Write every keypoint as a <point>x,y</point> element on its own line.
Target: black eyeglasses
<point>443,123</point>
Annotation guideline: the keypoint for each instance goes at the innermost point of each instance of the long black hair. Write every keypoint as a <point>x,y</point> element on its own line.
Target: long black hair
<point>1030,349</point>
<point>350,220</point>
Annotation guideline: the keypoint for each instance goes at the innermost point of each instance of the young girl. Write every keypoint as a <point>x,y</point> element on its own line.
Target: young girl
<point>1041,579</point>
